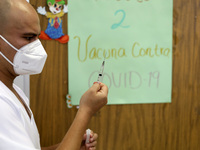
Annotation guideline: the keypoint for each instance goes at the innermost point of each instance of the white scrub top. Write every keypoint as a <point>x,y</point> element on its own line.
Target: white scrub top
<point>17,130</point>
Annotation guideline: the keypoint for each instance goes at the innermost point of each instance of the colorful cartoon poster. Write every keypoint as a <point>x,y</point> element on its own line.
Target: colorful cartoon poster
<point>135,36</point>
<point>54,31</point>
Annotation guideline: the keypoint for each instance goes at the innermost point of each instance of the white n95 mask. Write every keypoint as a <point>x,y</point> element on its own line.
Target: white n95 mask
<point>29,59</point>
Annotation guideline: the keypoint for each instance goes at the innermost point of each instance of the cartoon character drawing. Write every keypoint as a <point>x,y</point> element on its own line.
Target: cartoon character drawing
<point>54,29</point>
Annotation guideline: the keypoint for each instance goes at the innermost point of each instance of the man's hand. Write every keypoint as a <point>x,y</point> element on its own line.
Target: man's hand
<point>92,142</point>
<point>94,98</point>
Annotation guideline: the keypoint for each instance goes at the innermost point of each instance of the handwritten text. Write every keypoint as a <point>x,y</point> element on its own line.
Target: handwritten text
<point>116,53</point>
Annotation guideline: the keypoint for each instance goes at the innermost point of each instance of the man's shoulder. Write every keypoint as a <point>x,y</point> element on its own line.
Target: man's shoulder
<point>7,96</point>
<point>7,104</point>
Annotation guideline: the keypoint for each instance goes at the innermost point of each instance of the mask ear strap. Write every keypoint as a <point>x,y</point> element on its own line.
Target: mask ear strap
<point>7,59</point>
<point>9,43</point>
<point>11,46</point>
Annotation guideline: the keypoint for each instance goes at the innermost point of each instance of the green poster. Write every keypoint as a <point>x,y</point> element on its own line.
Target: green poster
<point>136,38</point>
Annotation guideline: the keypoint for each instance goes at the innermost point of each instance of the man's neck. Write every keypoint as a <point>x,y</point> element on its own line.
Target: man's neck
<point>7,79</point>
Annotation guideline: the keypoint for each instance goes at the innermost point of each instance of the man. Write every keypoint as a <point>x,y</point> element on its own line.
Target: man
<point>22,53</point>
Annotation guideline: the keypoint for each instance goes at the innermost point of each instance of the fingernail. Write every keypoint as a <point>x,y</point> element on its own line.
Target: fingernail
<point>97,82</point>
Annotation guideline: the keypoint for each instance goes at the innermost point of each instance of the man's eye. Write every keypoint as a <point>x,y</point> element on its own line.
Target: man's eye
<point>29,38</point>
